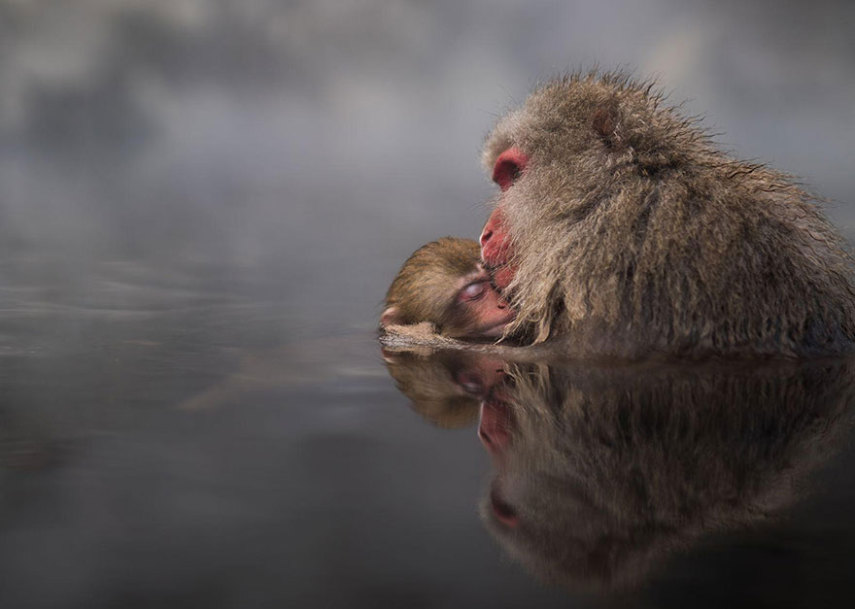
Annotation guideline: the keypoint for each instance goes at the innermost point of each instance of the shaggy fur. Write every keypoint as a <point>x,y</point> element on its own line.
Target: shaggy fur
<point>633,234</point>
<point>611,470</point>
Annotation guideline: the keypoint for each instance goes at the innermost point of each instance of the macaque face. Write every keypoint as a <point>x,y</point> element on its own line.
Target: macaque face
<point>444,284</point>
<point>496,249</point>
<point>478,309</point>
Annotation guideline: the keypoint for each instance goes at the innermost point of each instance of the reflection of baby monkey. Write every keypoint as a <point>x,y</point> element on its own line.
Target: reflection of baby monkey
<point>445,388</point>
<point>444,283</point>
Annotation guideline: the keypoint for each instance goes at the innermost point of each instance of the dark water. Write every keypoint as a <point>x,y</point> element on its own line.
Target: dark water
<point>166,442</point>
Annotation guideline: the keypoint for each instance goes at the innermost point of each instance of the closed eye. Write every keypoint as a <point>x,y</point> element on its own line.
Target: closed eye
<point>473,291</point>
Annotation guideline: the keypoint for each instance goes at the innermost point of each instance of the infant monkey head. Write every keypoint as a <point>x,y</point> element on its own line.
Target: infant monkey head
<point>444,283</point>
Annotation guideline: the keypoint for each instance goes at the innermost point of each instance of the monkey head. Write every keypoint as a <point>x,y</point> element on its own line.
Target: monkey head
<point>620,224</point>
<point>445,284</point>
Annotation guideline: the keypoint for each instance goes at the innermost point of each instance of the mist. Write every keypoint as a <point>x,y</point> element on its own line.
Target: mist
<point>300,150</point>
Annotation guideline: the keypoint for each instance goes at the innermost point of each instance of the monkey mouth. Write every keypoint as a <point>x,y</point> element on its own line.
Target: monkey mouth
<point>497,329</point>
<point>501,275</point>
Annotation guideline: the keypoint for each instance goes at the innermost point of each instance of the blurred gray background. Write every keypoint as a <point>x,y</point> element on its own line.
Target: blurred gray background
<point>296,152</point>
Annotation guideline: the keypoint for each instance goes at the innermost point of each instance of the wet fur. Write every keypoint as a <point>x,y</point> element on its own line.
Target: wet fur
<point>613,469</point>
<point>633,234</point>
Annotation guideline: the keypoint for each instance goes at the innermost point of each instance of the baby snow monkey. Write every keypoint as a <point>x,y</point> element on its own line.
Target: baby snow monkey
<point>444,283</point>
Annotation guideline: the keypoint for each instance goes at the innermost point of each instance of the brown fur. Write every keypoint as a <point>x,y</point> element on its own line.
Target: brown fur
<point>428,381</point>
<point>632,233</point>
<point>424,287</point>
<point>444,288</point>
<point>611,470</point>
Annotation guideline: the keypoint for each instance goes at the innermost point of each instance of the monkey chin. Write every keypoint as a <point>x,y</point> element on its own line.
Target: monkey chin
<point>498,329</point>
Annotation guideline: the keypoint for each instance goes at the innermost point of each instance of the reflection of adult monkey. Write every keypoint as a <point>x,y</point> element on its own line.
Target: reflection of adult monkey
<point>602,473</point>
<point>623,229</point>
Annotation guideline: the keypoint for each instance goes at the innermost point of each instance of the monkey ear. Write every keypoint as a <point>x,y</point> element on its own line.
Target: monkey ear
<point>606,123</point>
<point>391,317</point>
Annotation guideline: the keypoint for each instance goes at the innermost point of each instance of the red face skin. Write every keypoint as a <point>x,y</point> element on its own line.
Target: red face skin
<point>481,376</point>
<point>495,244</point>
<point>484,305</point>
<point>495,429</point>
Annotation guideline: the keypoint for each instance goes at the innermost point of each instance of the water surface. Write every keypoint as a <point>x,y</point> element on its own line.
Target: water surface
<point>165,441</point>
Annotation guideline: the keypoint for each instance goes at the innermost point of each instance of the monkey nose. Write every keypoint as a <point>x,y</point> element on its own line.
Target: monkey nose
<point>486,235</point>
